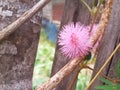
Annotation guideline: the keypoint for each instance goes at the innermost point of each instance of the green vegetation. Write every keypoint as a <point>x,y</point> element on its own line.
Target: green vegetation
<point>109,83</point>
<point>44,60</point>
<point>83,79</point>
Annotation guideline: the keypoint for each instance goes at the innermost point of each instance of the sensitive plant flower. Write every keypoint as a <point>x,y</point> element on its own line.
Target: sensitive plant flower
<point>74,40</point>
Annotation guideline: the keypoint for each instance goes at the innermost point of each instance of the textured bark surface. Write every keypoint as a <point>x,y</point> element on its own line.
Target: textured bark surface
<point>18,51</point>
<point>74,11</point>
<point>110,39</point>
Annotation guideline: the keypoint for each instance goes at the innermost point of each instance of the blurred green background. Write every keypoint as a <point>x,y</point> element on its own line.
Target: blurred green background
<point>43,64</point>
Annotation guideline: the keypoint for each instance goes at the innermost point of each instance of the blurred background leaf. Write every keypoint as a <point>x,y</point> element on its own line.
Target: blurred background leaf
<point>118,69</point>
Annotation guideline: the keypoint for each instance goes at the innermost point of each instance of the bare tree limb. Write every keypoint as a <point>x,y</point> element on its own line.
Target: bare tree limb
<point>26,16</point>
<point>71,65</point>
<point>60,75</point>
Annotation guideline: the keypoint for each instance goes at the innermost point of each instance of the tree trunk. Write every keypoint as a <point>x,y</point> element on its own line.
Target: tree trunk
<point>18,51</point>
<point>110,39</point>
<point>74,11</point>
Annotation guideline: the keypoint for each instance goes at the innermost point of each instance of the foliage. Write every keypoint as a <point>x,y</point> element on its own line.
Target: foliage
<point>118,69</point>
<point>44,60</point>
<point>110,84</point>
<point>83,79</point>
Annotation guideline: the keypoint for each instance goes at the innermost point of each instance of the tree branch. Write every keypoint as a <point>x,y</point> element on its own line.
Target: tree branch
<point>71,65</point>
<point>60,75</point>
<point>26,16</point>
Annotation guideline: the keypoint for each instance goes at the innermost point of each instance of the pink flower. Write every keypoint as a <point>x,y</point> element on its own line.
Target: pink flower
<point>73,40</point>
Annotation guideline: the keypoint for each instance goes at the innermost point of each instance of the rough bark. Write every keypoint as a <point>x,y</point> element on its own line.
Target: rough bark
<point>110,39</point>
<point>74,11</point>
<point>18,51</point>
<point>23,18</point>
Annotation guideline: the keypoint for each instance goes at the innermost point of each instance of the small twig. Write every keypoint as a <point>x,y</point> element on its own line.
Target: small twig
<point>107,78</point>
<point>107,61</point>
<point>26,16</point>
<point>113,80</point>
<point>94,17</point>
<point>87,67</point>
<point>86,5</point>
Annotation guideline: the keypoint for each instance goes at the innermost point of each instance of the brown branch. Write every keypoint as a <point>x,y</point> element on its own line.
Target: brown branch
<point>72,64</point>
<point>103,22</point>
<point>60,75</point>
<point>26,16</point>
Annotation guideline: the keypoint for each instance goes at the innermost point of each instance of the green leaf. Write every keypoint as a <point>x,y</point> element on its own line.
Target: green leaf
<point>109,85</point>
<point>106,81</point>
<point>106,87</point>
<point>118,69</point>
<point>118,87</point>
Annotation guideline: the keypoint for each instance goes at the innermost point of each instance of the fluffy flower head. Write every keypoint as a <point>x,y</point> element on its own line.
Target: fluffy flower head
<point>74,40</point>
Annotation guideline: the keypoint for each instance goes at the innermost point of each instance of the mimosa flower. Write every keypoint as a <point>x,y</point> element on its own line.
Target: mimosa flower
<point>74,40</point>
